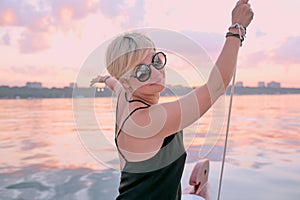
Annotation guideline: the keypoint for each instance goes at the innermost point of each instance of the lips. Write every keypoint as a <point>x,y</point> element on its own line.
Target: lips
<point>159,82</point>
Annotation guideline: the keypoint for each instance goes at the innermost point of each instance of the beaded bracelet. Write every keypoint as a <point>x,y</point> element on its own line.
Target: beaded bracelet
<point>239,27</point>
<point>241,35</point>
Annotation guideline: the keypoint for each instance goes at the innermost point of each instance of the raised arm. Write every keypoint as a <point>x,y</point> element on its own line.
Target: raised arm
<point>168,118</point>
<point>225,66</point>
<point>195,104</point>
<point>192,106</point>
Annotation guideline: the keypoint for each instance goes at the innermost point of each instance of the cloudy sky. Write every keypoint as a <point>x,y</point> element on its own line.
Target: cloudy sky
<point>48,40</point>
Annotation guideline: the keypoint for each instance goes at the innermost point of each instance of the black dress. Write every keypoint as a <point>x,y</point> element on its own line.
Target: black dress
<point>158,177</point>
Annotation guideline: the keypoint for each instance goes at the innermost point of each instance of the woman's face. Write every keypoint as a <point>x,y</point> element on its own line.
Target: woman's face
<point>156,81</point>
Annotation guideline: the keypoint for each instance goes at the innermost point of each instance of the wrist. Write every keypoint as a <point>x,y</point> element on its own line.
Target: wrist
<point>238,28</point>
<point>237,31</point>
<point>235,36</point>
<point>233,30</point>
<point>105,79</point>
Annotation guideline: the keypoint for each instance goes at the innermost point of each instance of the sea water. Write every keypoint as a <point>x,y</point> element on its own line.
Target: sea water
<point>46,154</point>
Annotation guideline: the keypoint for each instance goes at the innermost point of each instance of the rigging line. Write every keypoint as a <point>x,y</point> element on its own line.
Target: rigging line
<point>226,135</point>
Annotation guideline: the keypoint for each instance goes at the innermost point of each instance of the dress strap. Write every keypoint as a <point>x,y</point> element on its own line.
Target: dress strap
<point>135,100</point>
<point>131,113</point>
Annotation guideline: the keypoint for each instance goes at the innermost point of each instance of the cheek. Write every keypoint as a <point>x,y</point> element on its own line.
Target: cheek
<point>163,73</point>
<point>138,86</point>
<point>158,73</point>
<point>135,84</point>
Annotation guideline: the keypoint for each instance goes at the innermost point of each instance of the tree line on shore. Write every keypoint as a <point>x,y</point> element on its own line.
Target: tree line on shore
<point>68,92</point>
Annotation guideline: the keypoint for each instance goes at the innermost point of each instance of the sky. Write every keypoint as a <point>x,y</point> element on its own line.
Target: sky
<point>48,40</point>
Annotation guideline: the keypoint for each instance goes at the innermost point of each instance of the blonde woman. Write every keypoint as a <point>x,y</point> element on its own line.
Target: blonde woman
<point>148,134</point>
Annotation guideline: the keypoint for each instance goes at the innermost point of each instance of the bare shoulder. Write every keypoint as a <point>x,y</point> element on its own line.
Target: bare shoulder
<point>178,114</point>
<point>152,124</point>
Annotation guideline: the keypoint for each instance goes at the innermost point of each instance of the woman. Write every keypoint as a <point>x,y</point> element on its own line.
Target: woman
<point>148,134</point>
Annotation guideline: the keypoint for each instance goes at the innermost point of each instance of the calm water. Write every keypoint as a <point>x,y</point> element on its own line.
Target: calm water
<point>44,157</point>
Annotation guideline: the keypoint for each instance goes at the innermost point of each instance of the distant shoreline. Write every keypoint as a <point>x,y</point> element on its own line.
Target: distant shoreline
<point>262,90</point>
<point>67,92</point>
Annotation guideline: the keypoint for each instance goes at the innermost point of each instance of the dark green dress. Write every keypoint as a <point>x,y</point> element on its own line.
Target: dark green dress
<point>155,178</point>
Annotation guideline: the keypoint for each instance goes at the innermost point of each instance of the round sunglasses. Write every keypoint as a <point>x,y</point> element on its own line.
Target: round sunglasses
<point>142,72</point>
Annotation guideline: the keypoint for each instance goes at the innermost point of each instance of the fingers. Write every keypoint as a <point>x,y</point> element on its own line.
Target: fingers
<point>242,13</point>
<point>98,79</point>
<point>92,83</point>
<point>94,80</point>
<point>248,8</point>
<point>251,13</point>
<point>240,2</point>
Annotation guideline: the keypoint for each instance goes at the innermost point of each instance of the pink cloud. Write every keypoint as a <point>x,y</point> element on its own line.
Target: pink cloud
<point>22,14</point>
<point>38,20</point>
<point>135,15</point>
<point>47,13</point>
<point>31,42</point>
<point>211,42</point>
<point>8,14</point>
<point>78,9</point>
<point>288,51</point>
<point>111,8</point>
<point>6,39</point>
<point>256,58</point>
<point>41,18</point>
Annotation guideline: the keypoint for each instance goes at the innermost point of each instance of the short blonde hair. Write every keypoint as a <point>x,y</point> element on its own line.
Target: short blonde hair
<point>126,51</point>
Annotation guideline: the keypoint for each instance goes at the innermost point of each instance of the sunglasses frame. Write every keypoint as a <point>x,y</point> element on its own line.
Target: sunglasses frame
<point>148,66</point>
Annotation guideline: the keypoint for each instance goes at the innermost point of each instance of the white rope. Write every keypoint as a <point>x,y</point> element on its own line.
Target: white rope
<point>226,135</point>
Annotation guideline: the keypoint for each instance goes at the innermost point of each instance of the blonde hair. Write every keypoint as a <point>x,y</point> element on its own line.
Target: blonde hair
<point>125,51</point>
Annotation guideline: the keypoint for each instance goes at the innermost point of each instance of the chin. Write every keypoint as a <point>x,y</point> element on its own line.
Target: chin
<point>153,88</point>
<point>157,86</point>
<point>160,88</point>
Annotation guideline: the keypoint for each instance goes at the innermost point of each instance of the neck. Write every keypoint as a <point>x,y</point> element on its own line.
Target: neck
<point>149,99</point>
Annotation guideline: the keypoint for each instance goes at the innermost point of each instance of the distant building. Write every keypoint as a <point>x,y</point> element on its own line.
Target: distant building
<point>34,85</point>
<point>274,84</point>
<point>239,84</point>
<point>73,85</point>
<point>261,84</point>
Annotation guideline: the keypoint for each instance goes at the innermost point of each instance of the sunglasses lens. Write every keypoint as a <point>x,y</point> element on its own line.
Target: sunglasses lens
<point>159,60</point>
<point>142,73</point>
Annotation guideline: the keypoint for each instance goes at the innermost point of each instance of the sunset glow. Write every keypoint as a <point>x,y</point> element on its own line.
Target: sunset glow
<point>43,39</point>
<point>66,14</point>
<point>8,18</point>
